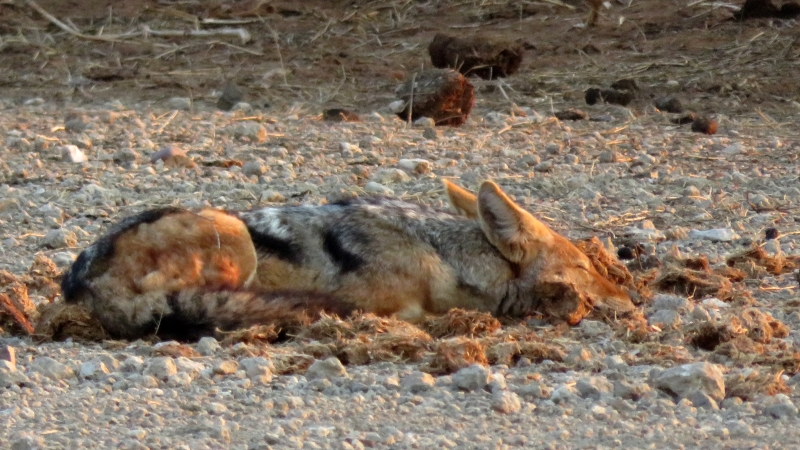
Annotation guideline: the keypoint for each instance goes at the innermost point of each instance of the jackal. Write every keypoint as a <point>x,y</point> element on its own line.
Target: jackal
<point>181,274</point>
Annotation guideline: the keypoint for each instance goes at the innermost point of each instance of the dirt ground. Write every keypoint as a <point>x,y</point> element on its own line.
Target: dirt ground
<point>313,54</point>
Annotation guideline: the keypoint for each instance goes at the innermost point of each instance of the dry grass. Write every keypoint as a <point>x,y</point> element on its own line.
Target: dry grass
<point>60,321</point>
<point>757,383</point>
<point>458,322</point>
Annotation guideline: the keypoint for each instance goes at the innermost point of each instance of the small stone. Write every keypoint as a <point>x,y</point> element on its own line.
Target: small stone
<point>593,387</point>
<point>733,149</point>
<point>242,106</point>
<point>578,355</point>
<point>133,363</point>
<point>59,238</point>
<point>780,407</point>
<point>161,367</point>
<point>669,104</point>
<point>225,367</point>
<point>670,302</point>
<point>418,166</point>
<point>10,376</point>
<point>231,95</point>
<point>716,235</point>
<point>254,168</point>
<point>376,188</point>
<point>75,124</point>
<point>665,319</point>
<point>208,346</point>
<point>563,393</point>
<point>180,103</point>
<point>216,408</point>
<point>739,428</point>
<point>544,166</point>
<point>701,400</point>
<point>506,402</point>
<point>250,130</point>
<point>686,379</point>
<point>418,382</point>
<point>389,176</point>
<point>326,369</point>
<point>28,442</point>
<point>771,233</point>
<point>8,353</point>
<point>73,154</point>
<point>609,156</point>
<point>126,157</point>
<point>179,379</point>
<point>472,377</point>
<point>92,369</point>
<point>166,153</point>
<point>189,367</point>
<point>52,369</point>
<point>424,122</point>
<point>614,362</point>
<point>258,369</point>
<point>532,390</point>
<point>629,391</point>
<point>430,133</point>
<point>273,196</point>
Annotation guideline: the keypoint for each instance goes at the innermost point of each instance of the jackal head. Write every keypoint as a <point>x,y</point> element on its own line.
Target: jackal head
<point>552,275</point>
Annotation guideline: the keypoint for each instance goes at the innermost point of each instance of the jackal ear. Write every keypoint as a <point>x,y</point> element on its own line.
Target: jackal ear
<point>464,201</point>
<point>512,230</point>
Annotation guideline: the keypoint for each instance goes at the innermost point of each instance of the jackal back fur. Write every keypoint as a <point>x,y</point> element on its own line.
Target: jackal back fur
<point>182,274</point>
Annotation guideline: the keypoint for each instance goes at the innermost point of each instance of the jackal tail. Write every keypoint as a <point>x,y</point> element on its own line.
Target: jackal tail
<point>188,315</point>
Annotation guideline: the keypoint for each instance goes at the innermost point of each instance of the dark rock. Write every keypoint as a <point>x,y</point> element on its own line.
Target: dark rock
<point>761,9</point>
<point>704,124</point>
<point>476,55</point>
<point>231,95</point>
<point>625,84</point>
<point>615,97</point>
<point>440,94</point>
<point>683,120</point>
<point>339,115</point>
<point>771,233</point>
<point>669,104</point>
<point>571,114</point>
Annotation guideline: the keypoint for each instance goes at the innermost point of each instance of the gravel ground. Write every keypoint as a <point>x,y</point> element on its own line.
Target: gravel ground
<point>67,173</point>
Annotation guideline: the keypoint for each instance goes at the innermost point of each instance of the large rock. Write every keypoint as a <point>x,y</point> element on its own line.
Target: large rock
<point>326,369</point>
<point>440,94</point>
<point>482,56</point>
<point>683,381</point>
<point>472,378</point>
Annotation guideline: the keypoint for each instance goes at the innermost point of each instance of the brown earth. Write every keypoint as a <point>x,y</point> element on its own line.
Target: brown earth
<point>354,53</point>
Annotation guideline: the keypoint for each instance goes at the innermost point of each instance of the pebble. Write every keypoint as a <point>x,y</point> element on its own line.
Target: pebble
<point>686,379</point>
<point>424,122</point>
<point>472,377</point>
<point>780,407</point>
<point>418,382</point>
<point>207,346</point>
<point>59,238</point>
<point>326,369</point>
<point>718,234</point>
<point>161,367</point>
<point>376,188</point>
<point>180,103</point>
<point>258,369</point>
<point>52,369</point>
<point>167,152</point>
<point>506,402</point>
<point>415,166</point>
<point>73,154</point>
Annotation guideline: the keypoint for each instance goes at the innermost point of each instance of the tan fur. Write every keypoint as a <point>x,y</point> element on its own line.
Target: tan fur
<point>384,258</point>
<point>184,250</point>
<point>464,201</point>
